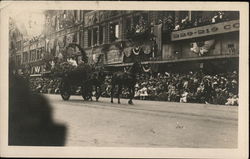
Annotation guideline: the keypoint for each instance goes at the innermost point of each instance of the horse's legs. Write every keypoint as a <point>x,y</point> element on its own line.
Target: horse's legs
<point>119,92</point>
<point>90,93</point>
<point>98,91</point>
<point>112,92</point>
<point>132,93</point>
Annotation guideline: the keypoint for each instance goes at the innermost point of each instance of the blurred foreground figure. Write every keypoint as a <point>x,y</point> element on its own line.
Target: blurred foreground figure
<point>30,116</point>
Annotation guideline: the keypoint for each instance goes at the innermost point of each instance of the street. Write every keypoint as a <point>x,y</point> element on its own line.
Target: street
<point>146,123</point>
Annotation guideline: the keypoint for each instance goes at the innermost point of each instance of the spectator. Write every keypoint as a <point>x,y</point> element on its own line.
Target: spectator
<point>143,92</point>
<point>184,96</point>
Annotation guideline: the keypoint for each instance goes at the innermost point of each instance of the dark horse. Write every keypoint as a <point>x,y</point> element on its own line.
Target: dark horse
<point>97,78</point>
<point>125,79</point>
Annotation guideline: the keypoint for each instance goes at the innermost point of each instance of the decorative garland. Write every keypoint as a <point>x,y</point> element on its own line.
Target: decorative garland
<point>136,50</point>
<point>146,70</point>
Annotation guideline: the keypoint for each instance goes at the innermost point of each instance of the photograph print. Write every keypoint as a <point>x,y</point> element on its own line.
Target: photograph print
<point>124,78</point>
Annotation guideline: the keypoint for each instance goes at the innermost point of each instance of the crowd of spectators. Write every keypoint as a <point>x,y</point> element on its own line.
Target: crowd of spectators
<point>190,87</point>
<point>185,23</point>
<point>44,85</point>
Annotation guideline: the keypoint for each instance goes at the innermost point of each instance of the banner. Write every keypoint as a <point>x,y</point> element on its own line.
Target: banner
<point>212,29</point>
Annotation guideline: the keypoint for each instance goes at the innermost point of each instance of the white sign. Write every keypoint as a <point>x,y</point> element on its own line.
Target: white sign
<point>212,29</point>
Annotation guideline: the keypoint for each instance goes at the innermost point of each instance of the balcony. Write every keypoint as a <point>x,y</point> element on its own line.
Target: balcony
<point>140,34</point>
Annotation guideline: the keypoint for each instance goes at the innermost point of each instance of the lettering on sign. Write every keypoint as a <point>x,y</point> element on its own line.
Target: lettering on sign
<point>37,69</point>
<point>212,29</point>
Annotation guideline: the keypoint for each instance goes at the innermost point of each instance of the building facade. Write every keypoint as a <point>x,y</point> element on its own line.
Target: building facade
<point>167,40</point>
<point>164,40</point>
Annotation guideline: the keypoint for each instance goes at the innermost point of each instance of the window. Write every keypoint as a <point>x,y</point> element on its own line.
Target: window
<point>114,31</point>
<point>89,38</point>
<point>18,59</point>
<point>30,56</point>
<point>42,52</point>
<point>25,57</point>
<point>19,45</point>
<point>95,33</point>
<point>101,36</point>
<point>75,38</point>
<point>37,54</point>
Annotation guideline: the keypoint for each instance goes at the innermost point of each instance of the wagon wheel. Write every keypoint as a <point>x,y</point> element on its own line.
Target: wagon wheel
<point>65,91</point>
<point>65,95</point>
<point>86,93</point>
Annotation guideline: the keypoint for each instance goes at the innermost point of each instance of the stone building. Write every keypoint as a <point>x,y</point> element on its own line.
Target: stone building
<point>163,40</point>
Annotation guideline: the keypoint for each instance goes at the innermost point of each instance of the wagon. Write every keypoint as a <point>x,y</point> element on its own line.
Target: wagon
<point>77,78</point>
<point>71,77</point>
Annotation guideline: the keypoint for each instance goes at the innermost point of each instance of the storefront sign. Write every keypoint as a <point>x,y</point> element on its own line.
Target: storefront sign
<point>212,29</point>
<point>114,56</point>
<point>37,69</point>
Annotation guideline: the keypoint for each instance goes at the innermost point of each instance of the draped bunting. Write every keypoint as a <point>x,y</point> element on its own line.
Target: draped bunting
<point>136,50</point>
<point>146,68</point>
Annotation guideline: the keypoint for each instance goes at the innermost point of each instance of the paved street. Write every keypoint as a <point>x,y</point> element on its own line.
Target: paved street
<point>145,124</point>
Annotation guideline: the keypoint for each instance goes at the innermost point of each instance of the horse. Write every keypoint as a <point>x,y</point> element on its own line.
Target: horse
<point>96,80</point>
<point>125,79</point>
<point>97,77</point>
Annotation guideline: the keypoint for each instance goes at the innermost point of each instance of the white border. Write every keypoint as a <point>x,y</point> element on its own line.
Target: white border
<point>24,151</point>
